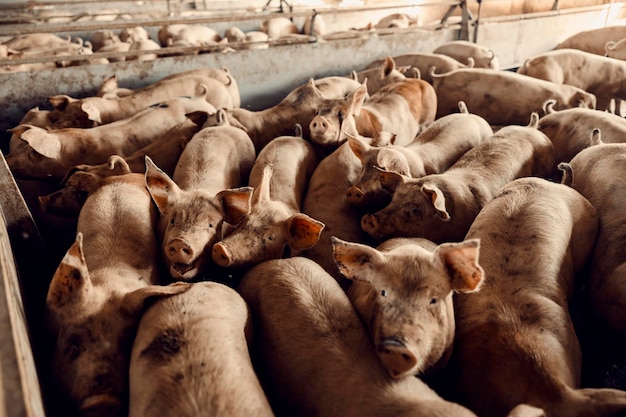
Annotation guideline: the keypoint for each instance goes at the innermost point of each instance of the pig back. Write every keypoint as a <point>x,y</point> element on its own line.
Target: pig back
<point>190,357</point>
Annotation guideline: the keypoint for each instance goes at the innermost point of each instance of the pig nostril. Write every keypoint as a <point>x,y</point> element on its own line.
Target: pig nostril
<point>187,251</point>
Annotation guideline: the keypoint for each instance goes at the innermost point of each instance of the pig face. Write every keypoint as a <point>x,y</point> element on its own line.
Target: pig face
<point>366,192</point>
<point>191,220</point>
<point>403,293</point>
<point>417,209</point>
<point>95,327</point>
<point>336,115</point>
<point>264,234</point>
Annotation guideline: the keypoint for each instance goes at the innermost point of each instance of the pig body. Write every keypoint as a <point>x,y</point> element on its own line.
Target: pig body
<point>433,151</point>
<point>503,97</point>
<point>278,27</point>
<point>596,173</point>
<point>96,295</point>
<point>279,178</point>
<point>314,354</point>
<point>402,291</point>
<point>441,207</point>
<point>602,76</point>
<point>190,357</point>
<point>521,314</point>
<point>92,111</point>
<point>570,130</point>
<point>377,78</point>
<point>594,40</point>
<point>192,202</point>
<point>401,108</point>
<point>299,106</point>
<point>56,151</point>
<point>424,62</point>
<point>483,57</point>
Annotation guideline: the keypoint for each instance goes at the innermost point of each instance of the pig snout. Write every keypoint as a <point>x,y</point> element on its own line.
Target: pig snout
<point>103,405</point>
<point>369,224</point>
<point>182,257</point>
<point>355,195</point>
<point>396,357</point>
<point>319,126</point>
<point>222,255</point>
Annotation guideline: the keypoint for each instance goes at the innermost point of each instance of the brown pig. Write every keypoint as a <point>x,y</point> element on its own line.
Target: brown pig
<point>387,72</point>
<point>597,173</point>
<point>402,108</point>
<point>51,153</point>
<point>433,151</point>
<point>275,221</point>
<point>503,97</point>
<point>299,106</point>
<point>314,356</point>
<point>190,357</point>
<point>601,76</point>
<point>96,295</point>
<point>82,179</point>
<point>441,207</point>
<point>402,290</point>
<point>192,203</point>
<point>424,62</point>
<point>93,111</point>
<point>515,339</point>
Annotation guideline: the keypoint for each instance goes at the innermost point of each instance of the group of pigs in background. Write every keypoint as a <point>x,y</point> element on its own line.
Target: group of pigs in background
<point>421,241</point>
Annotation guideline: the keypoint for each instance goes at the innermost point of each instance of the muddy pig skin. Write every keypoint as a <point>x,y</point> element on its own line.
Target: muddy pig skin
<point>403,290</point>
<point>97,293</point>
<point>314,355</point>
<point>190,358</point>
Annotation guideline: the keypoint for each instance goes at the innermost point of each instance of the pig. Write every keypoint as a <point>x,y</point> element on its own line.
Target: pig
<point>402,108</point>
<point>596,173</point>
<point>210,175</point>
<point>277,27</point>
<point>110,88</point>
<point>433,151</point>
<point>442,207</point>
<point>396,20</point>
<point>194,35</point>
<point>82,179</point>
<point>460,50</point>
<point>115,47</point>
<point>520,317</point>
<point>497,95</point>
<point>190,357</point>
<point>255,38</point>
<point>376,78</point>
<point>593,40</point>
<point>314,356</point>
<point>102,38</point>
<point>402,291</point>
<point>30,40</point>
<point>146,45</point>
<point>274,223</point>
<point>299,106</point>
<point>166,33</point>
<point>132,34</point>
<point>94,111</point>
<point>96,296</point>
<point>315,25</point>
<point>570,129</point>
<point>602,76</point>
<point>51,153</point>
<point>424,62</point>
<point>325,200</point>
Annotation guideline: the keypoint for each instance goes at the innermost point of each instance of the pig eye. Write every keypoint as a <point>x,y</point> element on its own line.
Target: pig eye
<point>434,300</point>
<point>383,293</point>
<point>270,237</point>
<point>415,210</point>
<point>211,225</point>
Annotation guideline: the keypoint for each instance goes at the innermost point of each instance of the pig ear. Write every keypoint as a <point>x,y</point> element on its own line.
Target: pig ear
<point>389,180</point>
<point>358,146</point>
<point>60,102</point>
<point>42,142</point>
<point>109,85</point>
<point>71,281</point>
<point>262,190</point>
<point>357,98</point>
<point>461,261</point>
<point>304,232</point>
<point>388,66</point>
<point>353,258</point>
<point>134,302</point>
<point>160,185</point>
<point>316,91</point>
<point>92,112</point>
<point>236,203</point>
<point>437,199</point>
